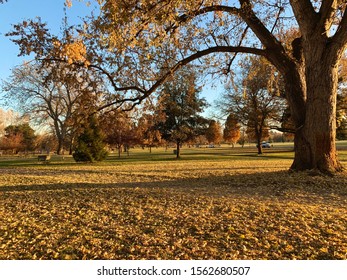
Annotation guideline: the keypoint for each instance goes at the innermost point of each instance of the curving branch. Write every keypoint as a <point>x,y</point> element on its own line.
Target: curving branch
<point>146,93</point>
<point>215,8</point>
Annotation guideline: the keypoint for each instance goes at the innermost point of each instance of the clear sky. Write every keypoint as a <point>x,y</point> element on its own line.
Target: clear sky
<point>15,11</point>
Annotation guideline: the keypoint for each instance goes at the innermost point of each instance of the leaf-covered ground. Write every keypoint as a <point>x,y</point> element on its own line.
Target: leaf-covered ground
<point>236,209</point>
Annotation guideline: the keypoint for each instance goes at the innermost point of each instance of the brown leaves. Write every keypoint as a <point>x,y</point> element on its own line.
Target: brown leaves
<point>176,210</point>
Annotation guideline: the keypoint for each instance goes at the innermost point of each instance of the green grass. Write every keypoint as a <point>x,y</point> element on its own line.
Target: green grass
<point>248,152</point>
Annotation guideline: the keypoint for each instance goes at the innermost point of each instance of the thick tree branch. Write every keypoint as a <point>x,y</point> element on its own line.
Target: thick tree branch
<point>264,35</point>
<point>215,8</point>
<point>305,15</point>
<point>340,36</point>
<point>275,51</point>
<point>327,12</point>
<point>184,18</point>
<point>283,129</point>
<point>247,14</point>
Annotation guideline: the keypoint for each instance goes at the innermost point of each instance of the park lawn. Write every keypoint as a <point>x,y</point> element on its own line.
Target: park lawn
<point>221,206</point>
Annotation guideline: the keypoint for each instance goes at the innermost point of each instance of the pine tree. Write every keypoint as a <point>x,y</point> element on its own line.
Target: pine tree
<point>181,106</point>
<point>90,146</point>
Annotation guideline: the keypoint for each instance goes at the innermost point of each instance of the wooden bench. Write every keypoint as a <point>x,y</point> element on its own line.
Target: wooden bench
<point>43,158</point>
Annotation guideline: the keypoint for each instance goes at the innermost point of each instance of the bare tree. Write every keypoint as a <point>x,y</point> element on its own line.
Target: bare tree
<point>51,95</point>
<point>254,100</point>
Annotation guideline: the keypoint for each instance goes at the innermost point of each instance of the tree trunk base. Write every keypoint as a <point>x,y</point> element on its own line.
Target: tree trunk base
<point>327,166</point>
<point>331,171</point>
<point>315,152</point>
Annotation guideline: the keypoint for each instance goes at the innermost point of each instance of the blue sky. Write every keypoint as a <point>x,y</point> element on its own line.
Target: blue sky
<point>15,11</point>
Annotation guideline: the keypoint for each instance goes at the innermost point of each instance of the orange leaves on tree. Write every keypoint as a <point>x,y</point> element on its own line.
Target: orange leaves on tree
<point>74,52</point>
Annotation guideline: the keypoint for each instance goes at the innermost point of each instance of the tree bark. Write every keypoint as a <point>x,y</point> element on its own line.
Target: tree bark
<point>260,149</point>
<point>60,132</point>
<point>119,148</point>
<point>61,139</point>
<point>60,147</point>
<point>178,149</point>
<point>314,112</point>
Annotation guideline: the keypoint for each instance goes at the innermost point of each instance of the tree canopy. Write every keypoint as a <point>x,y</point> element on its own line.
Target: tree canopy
<point>20,137</point>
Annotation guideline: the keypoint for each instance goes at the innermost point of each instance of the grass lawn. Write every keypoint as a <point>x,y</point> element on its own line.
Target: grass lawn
<point>214,203</point>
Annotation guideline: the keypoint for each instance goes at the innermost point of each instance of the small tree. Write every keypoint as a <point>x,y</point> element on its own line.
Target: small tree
<point>150,136</point>
<point>23,135</point>
<point>119,130</point>
<point>257,133</point>
<point>12,143</point>
<point>214,132</point>
<point>231,132</point>
<point>90,145</point>
<point>242,139</point>
<point>180,106</point>
<point>46,142</point>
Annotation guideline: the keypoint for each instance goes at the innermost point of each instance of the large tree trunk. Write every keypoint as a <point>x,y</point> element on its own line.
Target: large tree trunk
<point>60,133</point>
<point>258,138</point>
<point>60,148</point>
<point>315,117</point>
<point>60,139</point>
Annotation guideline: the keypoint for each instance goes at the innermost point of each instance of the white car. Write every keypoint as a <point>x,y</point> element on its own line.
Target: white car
<point>265,145</point>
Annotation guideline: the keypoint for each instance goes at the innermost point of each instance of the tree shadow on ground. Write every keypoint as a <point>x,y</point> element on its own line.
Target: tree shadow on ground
<point>281,185</point>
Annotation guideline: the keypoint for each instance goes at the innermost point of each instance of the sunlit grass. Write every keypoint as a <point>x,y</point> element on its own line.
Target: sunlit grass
<point>213,203</point>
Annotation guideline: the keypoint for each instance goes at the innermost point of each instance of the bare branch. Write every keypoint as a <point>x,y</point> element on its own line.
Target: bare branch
<point>236,53</point>
<point>277,18</point>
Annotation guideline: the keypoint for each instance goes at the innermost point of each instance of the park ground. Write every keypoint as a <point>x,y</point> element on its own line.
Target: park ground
<point>213,203</point>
